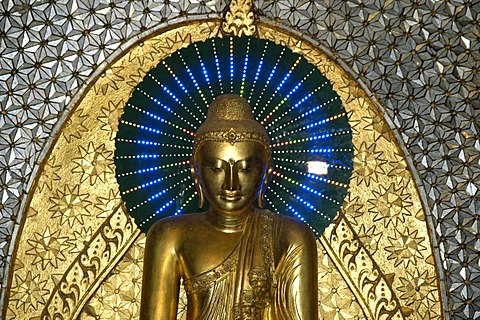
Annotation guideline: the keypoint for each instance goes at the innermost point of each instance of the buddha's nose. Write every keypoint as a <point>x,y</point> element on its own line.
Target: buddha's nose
<point>231,182</point>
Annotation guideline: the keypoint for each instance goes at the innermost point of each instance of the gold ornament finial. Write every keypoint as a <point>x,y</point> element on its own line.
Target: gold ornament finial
<point>240,19</point>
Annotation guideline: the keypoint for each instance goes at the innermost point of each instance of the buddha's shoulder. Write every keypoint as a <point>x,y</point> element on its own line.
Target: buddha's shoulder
<point>176,226</point>
<point>293,230</point>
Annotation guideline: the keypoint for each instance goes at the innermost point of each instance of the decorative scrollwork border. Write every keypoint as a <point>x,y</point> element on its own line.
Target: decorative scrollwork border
<point>91,267</point>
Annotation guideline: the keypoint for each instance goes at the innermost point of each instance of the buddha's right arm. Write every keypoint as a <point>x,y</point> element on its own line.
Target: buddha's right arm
<point>161,274</point>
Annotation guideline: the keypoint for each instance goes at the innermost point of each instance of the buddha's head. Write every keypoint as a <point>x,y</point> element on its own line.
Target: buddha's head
<point>231,162</point>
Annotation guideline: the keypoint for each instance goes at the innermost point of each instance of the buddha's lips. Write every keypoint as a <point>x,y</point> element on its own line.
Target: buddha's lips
<point>230,196</point>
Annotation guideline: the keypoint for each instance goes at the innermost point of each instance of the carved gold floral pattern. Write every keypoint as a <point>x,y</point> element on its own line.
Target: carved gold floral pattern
<point>93,163</point>
<point>48,248</point>
<point>70,205</point>
<point>29,293</point>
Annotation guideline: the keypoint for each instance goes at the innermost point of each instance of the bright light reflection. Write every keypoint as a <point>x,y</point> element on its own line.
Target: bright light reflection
<point>319,168</point>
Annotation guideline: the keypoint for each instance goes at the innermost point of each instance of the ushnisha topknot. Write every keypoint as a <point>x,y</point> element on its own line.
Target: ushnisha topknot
<point>230,119</point>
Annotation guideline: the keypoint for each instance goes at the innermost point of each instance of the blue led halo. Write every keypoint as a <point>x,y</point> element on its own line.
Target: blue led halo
<point>297,105</point>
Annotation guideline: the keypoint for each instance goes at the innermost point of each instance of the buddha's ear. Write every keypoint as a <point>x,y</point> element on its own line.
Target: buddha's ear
<point>269,174</point>
<point>260,199</point>
<point>261,195</point>
<point>198,187</point>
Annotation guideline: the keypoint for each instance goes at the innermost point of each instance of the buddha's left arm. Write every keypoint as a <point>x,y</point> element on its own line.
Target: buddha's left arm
<point>298,273</point>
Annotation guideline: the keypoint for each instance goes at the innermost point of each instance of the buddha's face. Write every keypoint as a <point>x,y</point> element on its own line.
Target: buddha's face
<point>231,176</point>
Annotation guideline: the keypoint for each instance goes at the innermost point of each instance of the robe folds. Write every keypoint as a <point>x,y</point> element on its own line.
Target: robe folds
<point>248,285</point>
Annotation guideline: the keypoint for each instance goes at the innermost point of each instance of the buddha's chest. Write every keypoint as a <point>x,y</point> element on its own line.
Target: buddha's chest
<point>204,250</point>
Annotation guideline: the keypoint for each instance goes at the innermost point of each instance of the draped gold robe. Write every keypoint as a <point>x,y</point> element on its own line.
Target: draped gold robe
<point>246,285</point>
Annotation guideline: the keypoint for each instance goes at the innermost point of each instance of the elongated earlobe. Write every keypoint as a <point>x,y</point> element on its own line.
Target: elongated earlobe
<point>261,195</point>
<point>198,187</point>
<point>201,197</point>
<point>260,199</point>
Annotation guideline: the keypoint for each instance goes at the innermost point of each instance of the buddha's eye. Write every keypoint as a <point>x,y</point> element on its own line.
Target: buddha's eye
<point>216,169</point>
<point>249,165</point>
<point>214,166</point>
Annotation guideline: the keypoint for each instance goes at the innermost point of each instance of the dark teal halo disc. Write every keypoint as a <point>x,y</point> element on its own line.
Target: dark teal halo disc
<point>307,124</point>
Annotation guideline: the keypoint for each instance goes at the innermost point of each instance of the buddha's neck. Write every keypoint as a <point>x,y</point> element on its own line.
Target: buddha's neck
<point>228,223</point>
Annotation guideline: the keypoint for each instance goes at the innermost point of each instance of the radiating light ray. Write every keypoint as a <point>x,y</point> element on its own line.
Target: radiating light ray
<point>217,66</point>
<point>177,80</point>
<point>271,203</point>
<point>257,74</point>
<point>287,97</point>
<point>153,169</point>
<point>319,136</point>
<point>155,181</point>
<point>312,151</point>
<point>158,118</point>
<point>159,210</point>
<point>289,110</point>
<point>232,69</point>
<point>174,97</point>
<point>305,203</point>
<point>162,133</point>
<point>331,182</point>
<point>279,87</point>
<point>287,76</point>
<point>142,127</point>
<point>285,204</point>
<point>305,114</point>
<point>180,84</point>
<point>288,160</point>
<point>245,64</point>
<point>312,125</point>
<point>279,144</point>
<point>270,76</point>
<point>272,191</point>
<point>341,167</point>
<point>166,108</point>
<point>307,139</point>
<point>312,176</point>
<point>157,195</point>
<point>305,187</point>
<point>295,212</point>
<point>329,150</point>
<point>154,144</point>
<point>194,81</point>
<point>204,70</point>
<point>151,156</point>
<point>187,202</point>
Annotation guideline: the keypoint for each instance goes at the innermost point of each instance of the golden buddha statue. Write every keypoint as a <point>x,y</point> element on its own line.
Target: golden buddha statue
<point>236,261</point>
